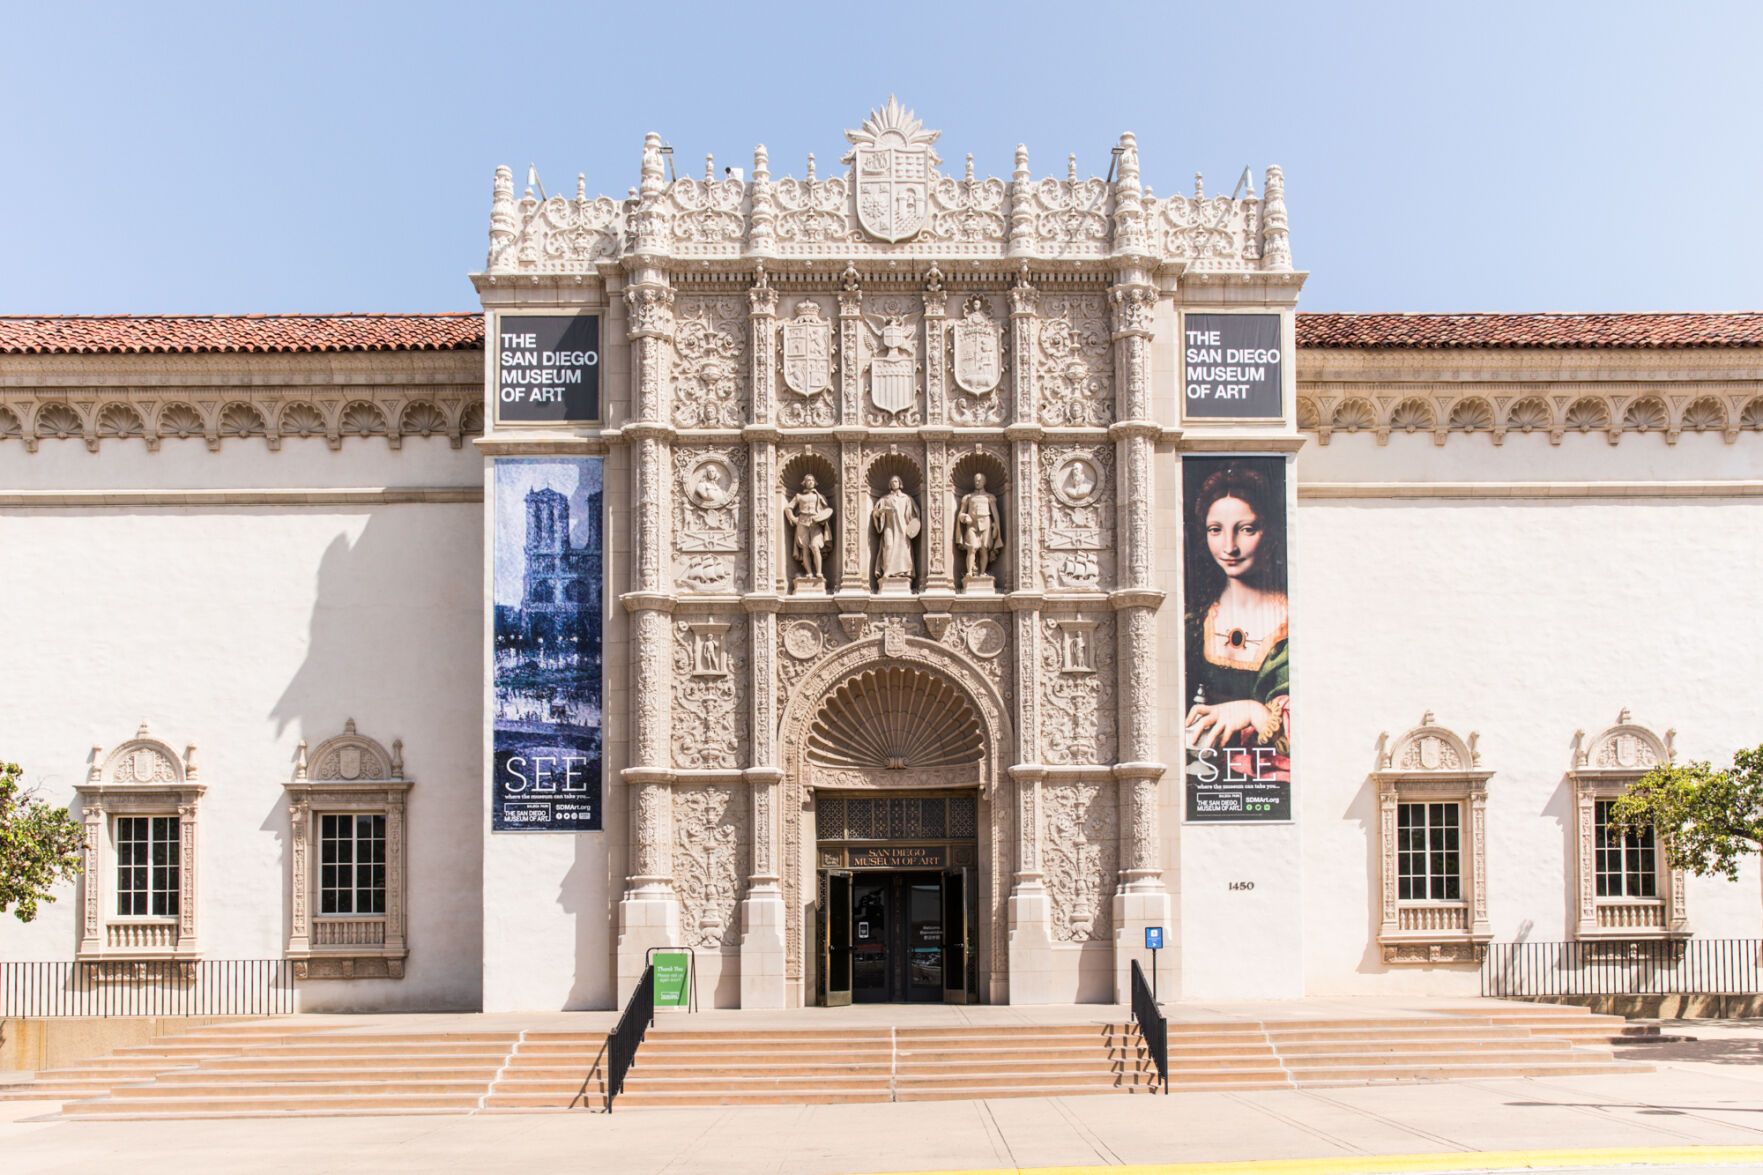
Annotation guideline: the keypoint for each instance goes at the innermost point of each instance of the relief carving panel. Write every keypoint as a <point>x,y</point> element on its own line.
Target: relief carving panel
<point>1077,503</point>
<point>1080,852</point>
<point>1073,368</point>
<point>709,713</point>
<point>711,858</point>
<point>709,522</point>
<point>710,362</point>
<point>1077,690</point>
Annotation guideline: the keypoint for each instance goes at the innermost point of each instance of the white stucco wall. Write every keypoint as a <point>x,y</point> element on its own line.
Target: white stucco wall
<point>1525,620</point>
<point>244,630</point>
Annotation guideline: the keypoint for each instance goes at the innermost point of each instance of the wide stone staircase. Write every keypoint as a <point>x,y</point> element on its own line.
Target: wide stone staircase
<point>290,1068</point>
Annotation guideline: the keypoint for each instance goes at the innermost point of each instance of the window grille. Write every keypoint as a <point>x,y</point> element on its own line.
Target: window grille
<point>1428,852</point>
<point>352,864</point>
<point>147,865</point>
<point>1626,863</point>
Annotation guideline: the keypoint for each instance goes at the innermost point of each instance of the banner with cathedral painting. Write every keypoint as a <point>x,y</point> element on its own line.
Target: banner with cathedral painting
<point>1237,730</point>
<point>549,579</point>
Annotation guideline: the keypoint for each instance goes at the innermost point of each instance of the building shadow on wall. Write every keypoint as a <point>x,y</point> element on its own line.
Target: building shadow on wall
<point>1563,809</point>
<point>1363,812</point>
<point>586,895</point>
<point>395,641</point>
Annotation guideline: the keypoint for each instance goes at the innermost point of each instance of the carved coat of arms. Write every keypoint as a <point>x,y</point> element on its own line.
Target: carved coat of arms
<point>978,362</point>
<point>891,374</point>
<point>892,160</point>
<point>808,351</point>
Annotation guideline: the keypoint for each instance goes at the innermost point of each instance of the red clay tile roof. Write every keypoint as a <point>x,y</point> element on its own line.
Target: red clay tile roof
<point>1470,331</point>
<point>135,334</point>
<point>123,333</point>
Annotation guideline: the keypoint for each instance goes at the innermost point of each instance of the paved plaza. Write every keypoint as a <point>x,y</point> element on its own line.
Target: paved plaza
<point>1700,1107</point>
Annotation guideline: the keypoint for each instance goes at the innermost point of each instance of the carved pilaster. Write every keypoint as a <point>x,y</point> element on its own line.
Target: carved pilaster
<point>766,512</point>
<point>299,816</point>
<point>1028,660</point>
<point>1387,801</point>
<point>1132,236</point>
<point>1478,843</point>
<point>762,321</point>
<point>937,520</point>
<point>1024,539</point>
<point>1133,465</point>
<point>1028,824</point>
<point>764,687</point>
<point>187,877</point>
<point>936,299</point>
<point>1139,833</point>
<point>1023,299</point>
<point>765,784</point>
<point>1137,635</point>
<point>91,861</point>
<point>850,351</point>
<point>395,874</point>
<point>650,316</point>
<point>650,570</point>
<point>652,707</point>
<point>652,838</point>
<point>853,508</point>
<point>1134,307</point>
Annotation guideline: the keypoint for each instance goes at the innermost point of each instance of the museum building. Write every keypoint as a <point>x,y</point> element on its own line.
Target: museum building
<point>899,585</point>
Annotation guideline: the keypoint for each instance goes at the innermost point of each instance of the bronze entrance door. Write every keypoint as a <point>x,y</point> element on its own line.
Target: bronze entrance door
<point>901,939</point>
<point>898,902</point>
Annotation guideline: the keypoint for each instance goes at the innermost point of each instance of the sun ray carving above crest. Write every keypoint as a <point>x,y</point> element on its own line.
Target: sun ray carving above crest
<point>893,126</point>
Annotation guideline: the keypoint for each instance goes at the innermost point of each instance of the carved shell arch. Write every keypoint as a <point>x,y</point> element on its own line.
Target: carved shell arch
<point>860,657</point>
<point>896,717</point>
<point>1353,415</point>
<point>144,760</point>
<point>905,465</point>
<point>1627,746</point>
<point>1429,747</point>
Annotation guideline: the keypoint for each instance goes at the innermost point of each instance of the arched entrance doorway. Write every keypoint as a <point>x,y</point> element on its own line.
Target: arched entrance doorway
<point>897,852</point>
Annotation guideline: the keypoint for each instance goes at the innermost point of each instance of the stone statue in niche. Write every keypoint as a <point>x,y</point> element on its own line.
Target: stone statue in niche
<point>810,517</point>
<point>979,531</point>
<point>895,518</point>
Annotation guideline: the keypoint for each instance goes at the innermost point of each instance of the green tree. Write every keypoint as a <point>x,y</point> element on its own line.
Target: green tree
<point>39,846</point>
<point>1707,818</point>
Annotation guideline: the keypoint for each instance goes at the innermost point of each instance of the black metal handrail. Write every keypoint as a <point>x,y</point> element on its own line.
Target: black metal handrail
<point>1696,966</point>
<point>1153,1027</point>
<point>622,1041</point>
<point>147,987</point>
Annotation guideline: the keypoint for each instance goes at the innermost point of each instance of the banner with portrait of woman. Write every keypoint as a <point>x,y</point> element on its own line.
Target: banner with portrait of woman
<point>1237,730</point>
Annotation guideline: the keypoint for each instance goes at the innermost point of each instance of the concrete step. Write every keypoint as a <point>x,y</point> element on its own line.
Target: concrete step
<point>631,1100</point>
<point>206,1103</point>
<point>953,1093</point>
<point>401,1086</point>
<point>650,1083</point>
<point>481,1075</point>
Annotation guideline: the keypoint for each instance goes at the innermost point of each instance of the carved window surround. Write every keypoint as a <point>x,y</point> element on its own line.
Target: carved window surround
<point>1432,765</point>
<point>1602,770</point>
<point>142,777</point>
<point>348,775</point>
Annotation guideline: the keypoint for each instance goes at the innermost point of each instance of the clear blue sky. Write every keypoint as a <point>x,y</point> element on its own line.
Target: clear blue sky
<point>245,157</point>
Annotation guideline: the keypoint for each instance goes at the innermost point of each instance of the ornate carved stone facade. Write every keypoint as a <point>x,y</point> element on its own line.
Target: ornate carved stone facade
<point>938,387</point>
<point>1605,907</point>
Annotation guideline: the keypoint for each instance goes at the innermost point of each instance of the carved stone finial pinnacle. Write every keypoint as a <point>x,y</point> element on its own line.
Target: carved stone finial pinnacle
<point>1199,186</point>
<point>1426,718</point>
<point>95,772</point>
<point>1623,717</point>
<point>1021,173</point>
<point>810,167</point>
<point>652,172</point>
<point>709,168</point>
<point>1071,167</point>
<point>190,761</point>
<point>1276,247</point>
<point>1474,755</point>
<point>761,164</point>
<point>300,763</point>
<point>581,185</point>
<point>1382,752</point>
<point>397,758</point>
<point>349,726</point>
<point>969,167</point>
<point>504,184</point>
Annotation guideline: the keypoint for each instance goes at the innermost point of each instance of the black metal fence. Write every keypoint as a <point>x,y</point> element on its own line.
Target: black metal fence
<point>1152,1025</point>
<point>1695,966</point>
<point>622,1041</point>
<point>158,987</point>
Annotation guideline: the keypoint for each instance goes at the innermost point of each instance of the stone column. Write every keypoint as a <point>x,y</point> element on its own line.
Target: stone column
<point>762,910</point>
<point>1141,900</point>
<point>648,915</point>
<point>939,579</point>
